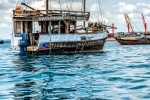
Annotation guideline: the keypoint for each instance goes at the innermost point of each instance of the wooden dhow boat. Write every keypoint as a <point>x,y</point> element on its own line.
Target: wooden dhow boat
<point>59,32</point>
<point>133,38</point>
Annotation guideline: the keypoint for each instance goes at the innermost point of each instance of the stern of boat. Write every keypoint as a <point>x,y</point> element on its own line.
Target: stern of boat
<point>15,39</point>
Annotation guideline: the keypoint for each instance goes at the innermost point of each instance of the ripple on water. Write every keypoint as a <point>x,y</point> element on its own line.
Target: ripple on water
<point>116,73</point>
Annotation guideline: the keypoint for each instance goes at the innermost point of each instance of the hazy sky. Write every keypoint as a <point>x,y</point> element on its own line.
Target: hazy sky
<point>113,12</point>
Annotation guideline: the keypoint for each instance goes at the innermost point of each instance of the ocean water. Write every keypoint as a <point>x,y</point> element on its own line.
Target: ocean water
<point>116,73</point>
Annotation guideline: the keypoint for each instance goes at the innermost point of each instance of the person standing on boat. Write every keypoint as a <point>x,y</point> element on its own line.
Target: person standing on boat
<point>142,36</point>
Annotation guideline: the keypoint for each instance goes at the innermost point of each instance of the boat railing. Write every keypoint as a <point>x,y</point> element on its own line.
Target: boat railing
<point>53,13</point>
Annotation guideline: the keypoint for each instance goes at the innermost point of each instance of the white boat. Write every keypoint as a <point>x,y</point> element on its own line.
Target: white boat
<point>59,32</point>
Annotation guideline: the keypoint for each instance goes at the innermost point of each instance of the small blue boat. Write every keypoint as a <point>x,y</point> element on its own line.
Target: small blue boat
<point>1,41</point>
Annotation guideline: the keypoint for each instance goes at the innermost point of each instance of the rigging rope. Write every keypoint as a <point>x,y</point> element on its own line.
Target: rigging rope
<point>17,3</point>
<point>71,5</point>
<point>135,25</point>
<point>67,5</point>
<point>60,4</point>
<point>98,13</point>
<point>82,6</point>
<point>27,4</point>
<point>50,46</point>
<point>100,6</point>
<point>50,5</point>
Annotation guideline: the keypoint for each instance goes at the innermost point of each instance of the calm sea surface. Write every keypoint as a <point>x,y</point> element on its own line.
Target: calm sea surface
<point>117,73</point>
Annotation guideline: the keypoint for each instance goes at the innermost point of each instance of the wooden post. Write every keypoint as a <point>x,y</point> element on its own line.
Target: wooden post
<point>21,27</point>
<point>41,27</point>
<point>46,23</point>
<point>59,27</point>
<point>52,27</point>
<point>67,27</point>
<point>50,24</point>
<point>75,30</point>
<point>113,27</point>
<point>30,27</point>
<point>47,6</point>
<point>26,28</point>
<point>67,30</point>
<point>46,27</point>
<point>50,47</point>
<point>75,25</point>
<point>84,12</point>
<point>15,26</point>
<point>145,27</point>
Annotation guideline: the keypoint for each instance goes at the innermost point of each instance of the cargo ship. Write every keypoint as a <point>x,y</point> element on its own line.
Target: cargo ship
<point>110,33</point>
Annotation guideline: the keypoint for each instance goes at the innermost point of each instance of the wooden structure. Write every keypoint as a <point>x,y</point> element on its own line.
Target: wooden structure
<point>58,33</point>
<point>133,38</point>
<point>132,41</point>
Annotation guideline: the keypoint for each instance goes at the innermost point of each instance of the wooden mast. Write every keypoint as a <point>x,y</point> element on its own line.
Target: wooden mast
<point>47,7</point>
<point>84,11</point>
<point>44,24</point>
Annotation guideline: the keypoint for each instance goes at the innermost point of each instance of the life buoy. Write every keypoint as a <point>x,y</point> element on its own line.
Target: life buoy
<point>19,11</point>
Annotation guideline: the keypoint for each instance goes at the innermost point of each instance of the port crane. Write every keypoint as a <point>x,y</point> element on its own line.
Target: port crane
<point>128,22</point>
<point>144,23</point>
<point>112,28</point>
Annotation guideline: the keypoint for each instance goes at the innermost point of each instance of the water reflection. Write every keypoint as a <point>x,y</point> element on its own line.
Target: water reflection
<point>25,91</point>
<point>55,77</point>
<point>118,73</point>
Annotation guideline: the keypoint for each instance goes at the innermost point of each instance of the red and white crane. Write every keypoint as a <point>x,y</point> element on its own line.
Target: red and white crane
<point>127,22</point>
<point>144,23</point>
<point>129,26</point>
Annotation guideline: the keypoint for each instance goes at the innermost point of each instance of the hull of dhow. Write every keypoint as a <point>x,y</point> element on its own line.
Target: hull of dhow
<point>133,41</point>
<point>67,43</point>
<point>69,47</point>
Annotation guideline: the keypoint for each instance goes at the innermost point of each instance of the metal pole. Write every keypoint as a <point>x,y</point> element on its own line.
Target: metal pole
<point>47,3</point>
<point>50,37</point>
<point>21,27</point>
<point>145,26</point>
<point>84,11</point>
<point>59,27</point>
<point>47,6</point>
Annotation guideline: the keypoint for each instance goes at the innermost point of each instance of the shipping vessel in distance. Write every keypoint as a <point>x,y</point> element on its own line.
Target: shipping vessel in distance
<point>110,33</point>
<point>59,31</point>
<point>1,41</point>
<point>133,38</point>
